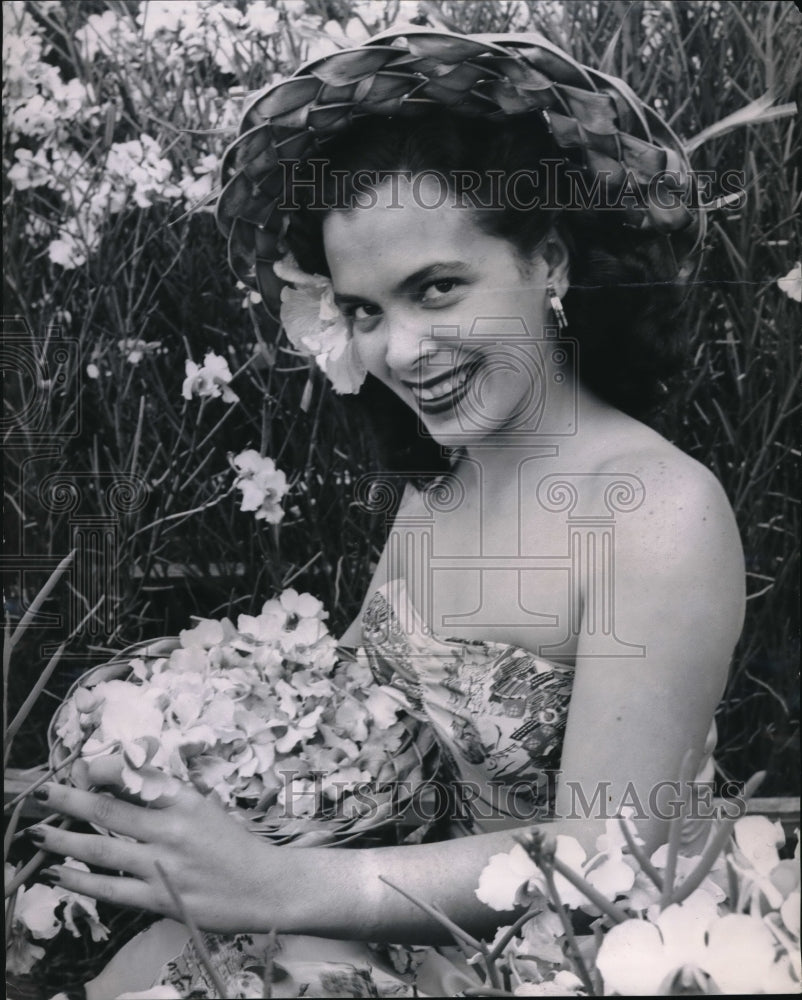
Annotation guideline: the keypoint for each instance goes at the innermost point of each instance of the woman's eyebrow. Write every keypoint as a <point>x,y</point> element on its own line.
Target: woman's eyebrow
<point>348,300</point>
<point>436,270</point>
<point>412,281</point>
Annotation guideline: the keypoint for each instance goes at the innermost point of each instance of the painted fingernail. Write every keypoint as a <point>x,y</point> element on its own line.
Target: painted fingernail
<point>49,876</point>
<point>35,835</point>
<point>41,794</point>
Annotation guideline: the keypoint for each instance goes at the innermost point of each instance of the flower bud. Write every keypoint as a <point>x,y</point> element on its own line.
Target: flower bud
<point>87,701</point>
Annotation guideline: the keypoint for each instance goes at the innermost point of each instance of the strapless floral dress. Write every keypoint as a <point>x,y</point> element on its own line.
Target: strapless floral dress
<point>499,713</point>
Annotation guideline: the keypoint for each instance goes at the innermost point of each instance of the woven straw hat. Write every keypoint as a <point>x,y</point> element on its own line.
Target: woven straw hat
<point>601,126</point>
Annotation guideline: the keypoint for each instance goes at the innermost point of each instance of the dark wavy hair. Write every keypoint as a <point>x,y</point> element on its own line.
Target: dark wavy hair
<point>624,305</point>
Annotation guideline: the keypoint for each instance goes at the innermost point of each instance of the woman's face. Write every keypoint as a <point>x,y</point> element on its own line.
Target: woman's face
<point>445,315</point>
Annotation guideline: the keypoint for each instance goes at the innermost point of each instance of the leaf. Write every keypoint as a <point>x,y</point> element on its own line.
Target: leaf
<point>343,68</point>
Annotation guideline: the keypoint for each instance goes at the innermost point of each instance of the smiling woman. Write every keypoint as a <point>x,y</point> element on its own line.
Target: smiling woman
<point>415,284</point>
<point>564,619</point>
<point>617,264</point>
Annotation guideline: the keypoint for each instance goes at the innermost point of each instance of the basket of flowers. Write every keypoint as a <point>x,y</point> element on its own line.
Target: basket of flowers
<point>289,731</point>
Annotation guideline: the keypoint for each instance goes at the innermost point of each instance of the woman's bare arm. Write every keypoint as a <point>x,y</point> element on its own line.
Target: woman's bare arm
<point>679,593</point>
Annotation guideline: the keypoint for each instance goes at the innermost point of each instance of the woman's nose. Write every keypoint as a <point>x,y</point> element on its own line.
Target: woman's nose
<point>407,338</point>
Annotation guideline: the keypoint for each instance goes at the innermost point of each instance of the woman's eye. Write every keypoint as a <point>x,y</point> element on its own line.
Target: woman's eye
<point>364,315</point>
<point>439,289</point>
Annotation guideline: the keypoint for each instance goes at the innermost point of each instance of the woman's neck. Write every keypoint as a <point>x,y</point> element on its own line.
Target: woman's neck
<point>574,429</point>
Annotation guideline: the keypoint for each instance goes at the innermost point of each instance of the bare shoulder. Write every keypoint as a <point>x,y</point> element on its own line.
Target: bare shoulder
<point>677,495</point>
<point>683,527</point>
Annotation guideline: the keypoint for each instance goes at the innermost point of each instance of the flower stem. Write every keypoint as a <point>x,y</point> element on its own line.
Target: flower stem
<point>470,954</point>
<point>267,976</point>
<point>181,513</point>
<point>12,830</point>
<point>675,830</point>
<point>640,856</point>
<point>27,870</point>
<point>714,846</point>
<point>41,681</point>
<point>576,955</point>
<point>732,885</point>
<point>614,912</point>
<point>195,934</point>
<point>441,918</point>
<point>510,934</point>
<point>293,573</point>
<point>10,907</point>
<point>37,602</point>
<point>45,776</point>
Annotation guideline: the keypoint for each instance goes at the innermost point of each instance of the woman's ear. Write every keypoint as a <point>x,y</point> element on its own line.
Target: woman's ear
<point>555,254</point>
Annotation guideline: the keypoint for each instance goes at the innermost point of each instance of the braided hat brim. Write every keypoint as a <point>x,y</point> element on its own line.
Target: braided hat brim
<point>600,125</point>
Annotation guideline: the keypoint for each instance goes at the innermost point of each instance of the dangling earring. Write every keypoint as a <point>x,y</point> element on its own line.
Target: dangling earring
<point>557,308</point>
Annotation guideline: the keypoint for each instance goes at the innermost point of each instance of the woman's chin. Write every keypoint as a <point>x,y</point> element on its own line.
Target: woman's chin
<point>455,437</point>
<point>459,431</point>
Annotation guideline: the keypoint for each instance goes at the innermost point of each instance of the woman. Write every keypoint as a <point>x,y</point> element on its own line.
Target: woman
<point>506,234</point>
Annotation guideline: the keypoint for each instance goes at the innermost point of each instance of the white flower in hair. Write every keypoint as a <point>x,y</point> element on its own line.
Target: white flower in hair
<point>316,327</point>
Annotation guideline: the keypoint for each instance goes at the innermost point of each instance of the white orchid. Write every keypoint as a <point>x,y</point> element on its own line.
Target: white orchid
<point>205,635</point>
<point>757,858</point>
<point>692,945</point>
<point>261,18</point>
<point>209,380</point>
<point>505,877</point>
<point>299,605</point>
<point>263,486</point>
<point>135,349</point>
<point>646,944</point>
<point>609,871</point>
<point>41,912</point>
<point>316,327</point>
<point>509,878</point>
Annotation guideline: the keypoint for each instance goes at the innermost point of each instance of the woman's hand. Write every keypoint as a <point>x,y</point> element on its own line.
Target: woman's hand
<point>224,875</point>
<point>230,881</point>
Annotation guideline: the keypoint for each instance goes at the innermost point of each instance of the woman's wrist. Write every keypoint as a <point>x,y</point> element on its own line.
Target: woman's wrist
<point>328,892</point>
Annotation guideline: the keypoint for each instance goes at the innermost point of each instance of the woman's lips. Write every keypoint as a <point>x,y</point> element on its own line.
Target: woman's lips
<point>443,393</point>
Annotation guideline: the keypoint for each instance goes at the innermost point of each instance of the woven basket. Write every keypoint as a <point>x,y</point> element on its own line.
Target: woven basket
<point>401,792</point>
<point>595,119</point>
<point>117,668</point>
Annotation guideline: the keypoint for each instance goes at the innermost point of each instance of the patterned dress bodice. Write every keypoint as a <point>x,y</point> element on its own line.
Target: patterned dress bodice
<point>499,712</point>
